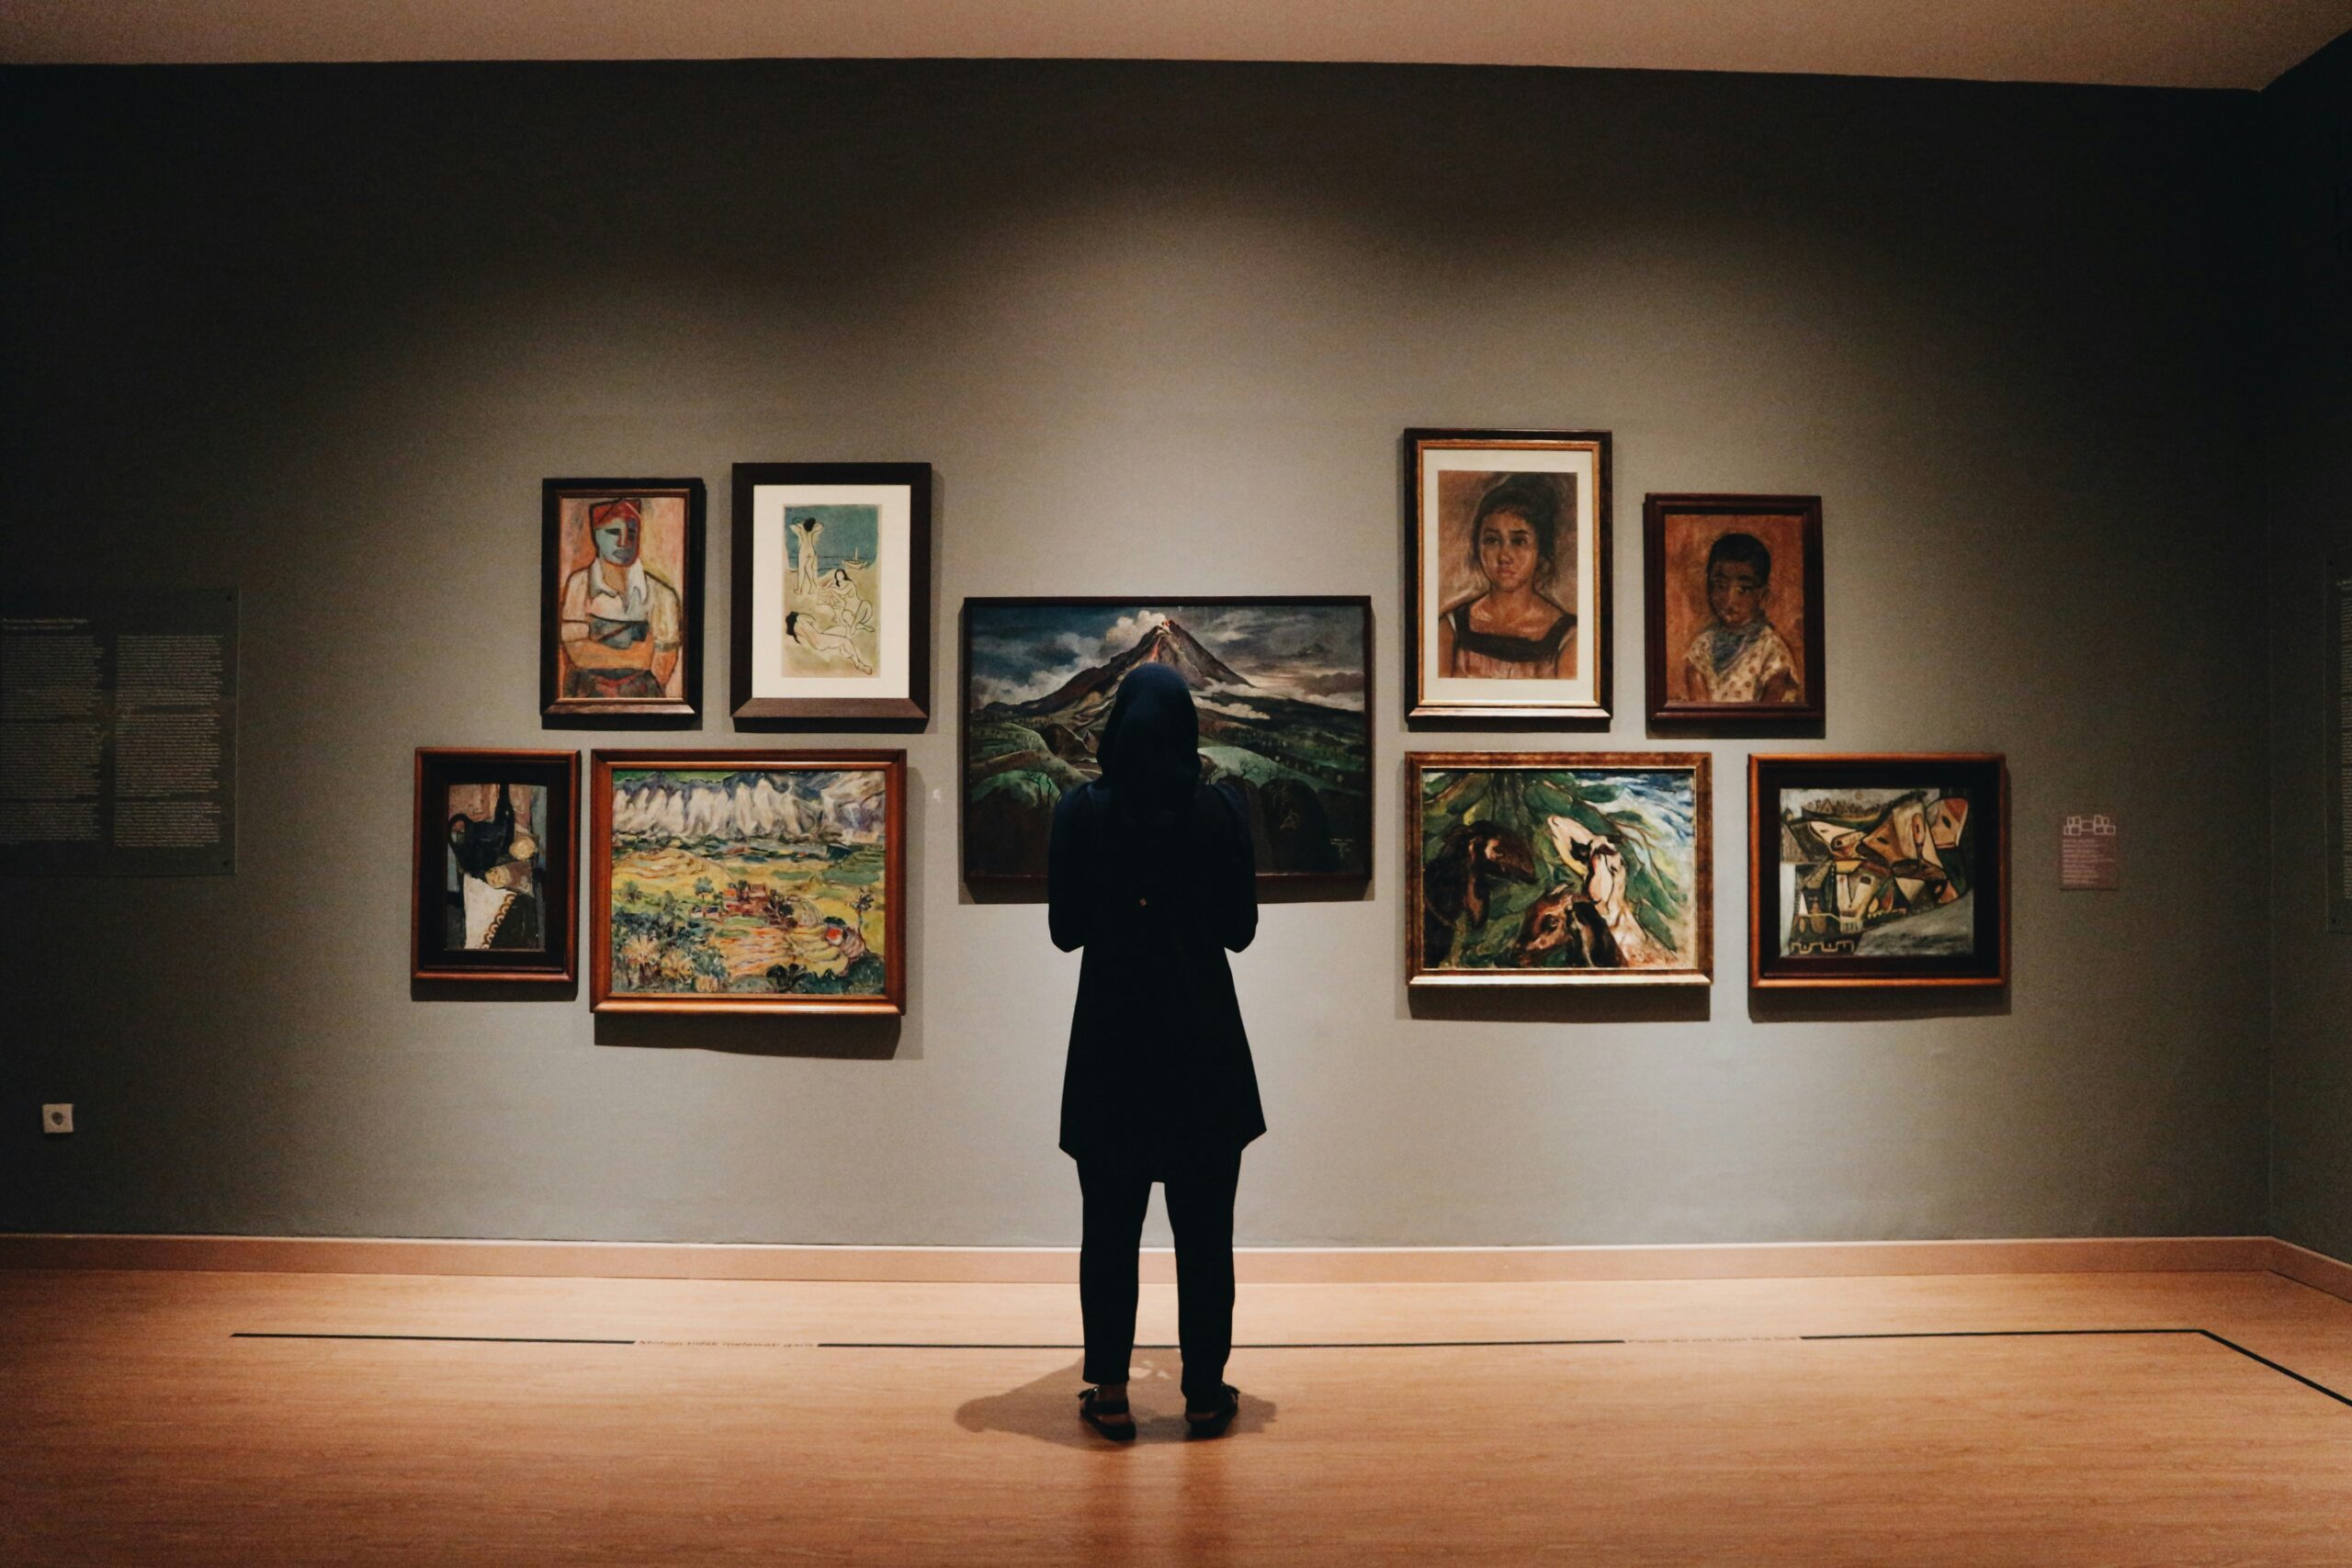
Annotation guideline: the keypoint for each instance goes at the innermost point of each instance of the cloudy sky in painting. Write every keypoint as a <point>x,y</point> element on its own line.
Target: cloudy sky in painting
<point>1310,651</point>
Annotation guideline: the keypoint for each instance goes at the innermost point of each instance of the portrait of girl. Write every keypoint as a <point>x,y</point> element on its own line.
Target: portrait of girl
<point>1511,623</point>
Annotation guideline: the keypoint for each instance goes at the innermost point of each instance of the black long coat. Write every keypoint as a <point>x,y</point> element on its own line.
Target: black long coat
<point>1159,1066</point>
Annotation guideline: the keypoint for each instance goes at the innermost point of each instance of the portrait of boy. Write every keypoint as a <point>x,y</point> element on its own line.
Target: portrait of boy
<point>1738,657</point>
<point>1735,605</point>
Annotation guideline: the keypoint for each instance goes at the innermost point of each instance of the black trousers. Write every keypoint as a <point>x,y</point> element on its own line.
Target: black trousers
<point>1199,1210</point>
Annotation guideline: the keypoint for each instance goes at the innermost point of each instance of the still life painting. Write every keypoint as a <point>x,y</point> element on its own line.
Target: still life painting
<point>620,614</point>
<point>749,881</point>
<point>1734,600</point>
<point>493,869</point>
<point>1510,551</point>
<point>1559,868</point>
<point>832,594</point>
<point>1887,869</point>
<point>1282,687</point>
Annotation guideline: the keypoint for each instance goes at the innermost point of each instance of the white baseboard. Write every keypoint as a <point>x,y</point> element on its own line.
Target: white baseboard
<point>1057,1265</point>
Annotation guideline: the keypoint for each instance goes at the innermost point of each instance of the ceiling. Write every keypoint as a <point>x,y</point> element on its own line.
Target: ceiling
<point>2170,43</point>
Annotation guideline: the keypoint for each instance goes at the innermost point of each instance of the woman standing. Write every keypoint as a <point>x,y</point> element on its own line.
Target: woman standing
<point>1150,872</point>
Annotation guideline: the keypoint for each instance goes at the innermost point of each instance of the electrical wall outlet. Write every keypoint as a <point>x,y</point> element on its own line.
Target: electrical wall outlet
<point>56,1118</point>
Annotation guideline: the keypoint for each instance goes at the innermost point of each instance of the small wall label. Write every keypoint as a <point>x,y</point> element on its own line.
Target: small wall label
<point>2088,852</point>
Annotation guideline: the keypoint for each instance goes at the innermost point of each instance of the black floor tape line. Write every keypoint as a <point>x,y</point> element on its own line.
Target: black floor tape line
<point>1381,1343</point>
<point>439,1338</point>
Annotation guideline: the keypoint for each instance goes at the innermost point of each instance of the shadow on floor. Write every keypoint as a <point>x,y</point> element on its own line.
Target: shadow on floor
<point>1046,1407</point>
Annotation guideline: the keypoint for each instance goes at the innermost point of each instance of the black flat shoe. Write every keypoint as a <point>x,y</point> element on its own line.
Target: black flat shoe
<point>1107,1417</point>
<point>1214,1423</point>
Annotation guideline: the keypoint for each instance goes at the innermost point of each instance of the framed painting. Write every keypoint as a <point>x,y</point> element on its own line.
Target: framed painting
<point>1282,686</point>
<point>1509,547</point>
<point>1877,869</point>
<point>748,881</point>
<point>1731,588</point>
<point>621,618</point>
<point>1558,868</point>
<point>832,595</point>
<point>2338,657</point>
<point>493,875</point>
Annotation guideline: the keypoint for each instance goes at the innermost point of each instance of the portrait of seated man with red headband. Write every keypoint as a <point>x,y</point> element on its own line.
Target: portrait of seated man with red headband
<point>622,625</point>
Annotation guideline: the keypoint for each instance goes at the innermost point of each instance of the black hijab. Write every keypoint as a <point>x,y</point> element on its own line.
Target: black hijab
<point>1151,746</point>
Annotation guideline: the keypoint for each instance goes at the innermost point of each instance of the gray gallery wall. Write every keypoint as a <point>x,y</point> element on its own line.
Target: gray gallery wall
<point>2307,377</point>
<point>319,333</point>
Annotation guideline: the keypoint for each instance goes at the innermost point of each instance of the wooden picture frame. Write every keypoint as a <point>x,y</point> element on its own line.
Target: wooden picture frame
<point>1731,629</point>
<point>2336,655</point>
<point>1288,720</point>
<point>736,870</point>
<point>1886,869</point>
<point>1559,868</point>
<point>493,878</point>
<point>838,634</point>
<point>1519,631</point>
<point>620,621</point>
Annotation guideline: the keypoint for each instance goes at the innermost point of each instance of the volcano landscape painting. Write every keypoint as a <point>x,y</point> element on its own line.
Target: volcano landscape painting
<point>1279,684</point>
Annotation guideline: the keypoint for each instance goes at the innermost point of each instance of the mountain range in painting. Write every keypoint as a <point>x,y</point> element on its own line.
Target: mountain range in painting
<point>843,807</point>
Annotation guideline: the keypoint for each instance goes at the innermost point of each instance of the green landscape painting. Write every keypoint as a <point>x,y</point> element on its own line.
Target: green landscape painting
<point>749,880</point>
<point>1279,686</point>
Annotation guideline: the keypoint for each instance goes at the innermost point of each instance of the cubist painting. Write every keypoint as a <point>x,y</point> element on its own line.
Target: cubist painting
<point>1532,868</point>
<point>492,879</point>
<point>1281,686</point>
<point>493,867</point>
<point>1888,873</point>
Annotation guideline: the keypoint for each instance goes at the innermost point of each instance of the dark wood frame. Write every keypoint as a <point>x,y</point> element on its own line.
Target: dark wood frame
<point>437,767</point>
<point>892,763</point>
<point>910,711</point>
<point>1307,879</point>
<point>600,712</point>
<point>1700,764</point>
<point>1421,708</point>
<point>1656,656</point>
<point>2338,827</point>
<point>1987,776</point>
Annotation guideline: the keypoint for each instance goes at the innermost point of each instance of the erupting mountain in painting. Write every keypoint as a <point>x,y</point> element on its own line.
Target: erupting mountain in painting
<point>1279,686</point>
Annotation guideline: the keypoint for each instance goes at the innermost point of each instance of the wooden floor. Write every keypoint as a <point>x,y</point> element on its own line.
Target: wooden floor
<point>919,1423</point>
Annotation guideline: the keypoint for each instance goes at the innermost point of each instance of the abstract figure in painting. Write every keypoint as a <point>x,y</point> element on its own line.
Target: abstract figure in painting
<point>1739,655</point>
<point>804,532</point>
<point>1558,868</point>
<point>822,640</point>
<point>829,625</point>
<point>493,868</point>
<point>1877,872</point>
<point>1512,627</point>
<point>747,881</point>
<point>621,623</point>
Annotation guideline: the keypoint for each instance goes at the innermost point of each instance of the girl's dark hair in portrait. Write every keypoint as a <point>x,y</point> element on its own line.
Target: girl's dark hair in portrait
<point>1742,550</point>
<point>1535,497</point>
